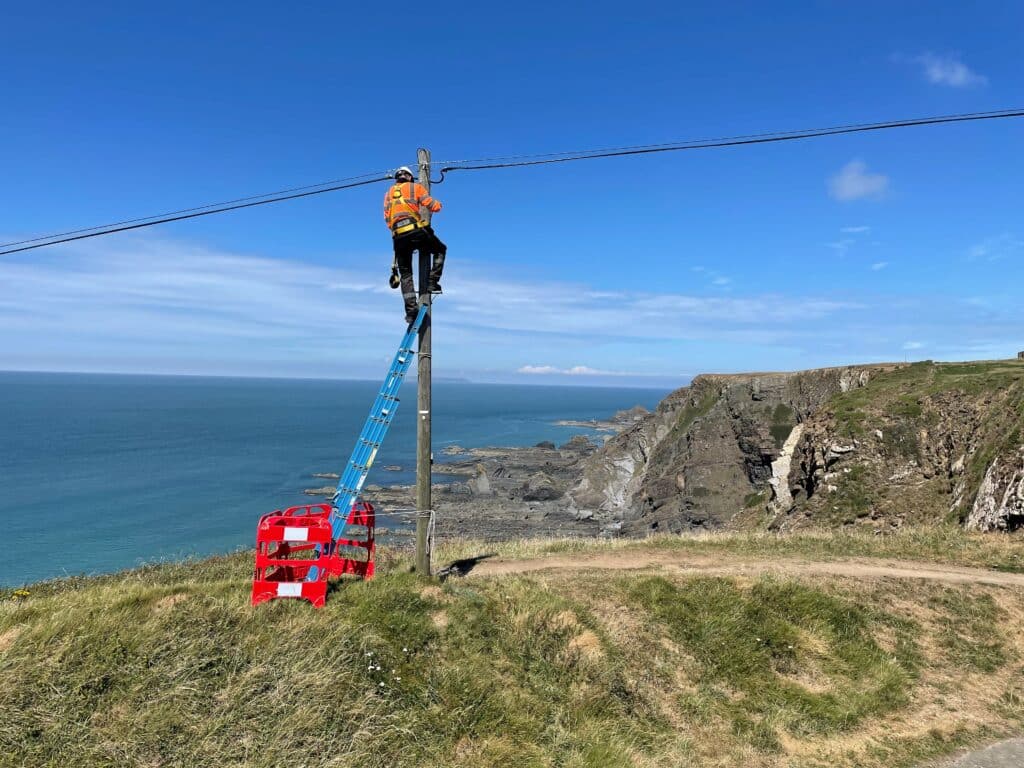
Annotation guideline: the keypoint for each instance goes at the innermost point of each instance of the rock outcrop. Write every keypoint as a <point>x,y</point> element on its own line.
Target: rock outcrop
<point>935,443</point>
<point>707,450</point>
<point>878,445</point>
<point>999,505</point>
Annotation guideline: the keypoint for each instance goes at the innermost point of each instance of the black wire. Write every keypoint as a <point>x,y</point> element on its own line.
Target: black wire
<point>486,164</point>
<point>766,138</point>
<point>681,142</point>
<point>195,215</point>
<point>185,210</point>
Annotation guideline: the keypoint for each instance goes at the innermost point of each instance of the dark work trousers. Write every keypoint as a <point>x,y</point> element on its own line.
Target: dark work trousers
<point>427,243</point>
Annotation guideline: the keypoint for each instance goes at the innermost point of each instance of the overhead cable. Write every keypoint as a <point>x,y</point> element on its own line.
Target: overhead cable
<point>190,210</point>
<point>513,161</point>
<point>182,217</point>
<point>729,141</point>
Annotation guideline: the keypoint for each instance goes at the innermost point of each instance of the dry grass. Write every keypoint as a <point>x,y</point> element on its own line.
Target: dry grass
<point>947,544</point>
<point>170,666</point>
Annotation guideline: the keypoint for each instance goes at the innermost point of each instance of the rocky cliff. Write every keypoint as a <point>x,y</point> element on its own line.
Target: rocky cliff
<point>874,444</point>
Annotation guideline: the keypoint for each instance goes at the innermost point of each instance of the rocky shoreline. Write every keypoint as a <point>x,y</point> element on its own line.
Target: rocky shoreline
<point>495,493</point>
<point>877,446</point>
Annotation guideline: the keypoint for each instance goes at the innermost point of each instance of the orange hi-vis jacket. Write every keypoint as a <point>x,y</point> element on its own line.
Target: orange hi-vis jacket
<point>402,204</point>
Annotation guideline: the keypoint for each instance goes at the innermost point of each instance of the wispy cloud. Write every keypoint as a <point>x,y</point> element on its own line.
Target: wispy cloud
<point>996,248</point>
<point>855,230</point>
<point>855,182</point>
<point>879,265</point>
<point>948,70</point>
<point>714,277</point>
<point>909,345</point>
<point>841,246</point>
<point>576,370</point>
<point>151,305</point>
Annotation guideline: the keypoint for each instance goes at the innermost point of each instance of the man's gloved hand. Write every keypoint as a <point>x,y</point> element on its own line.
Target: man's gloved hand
<point>394,281</point>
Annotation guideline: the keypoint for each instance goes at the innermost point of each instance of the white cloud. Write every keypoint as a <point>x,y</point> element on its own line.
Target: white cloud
<point>854,182</point>
<point>137,304</point>
<point>996,248</point>
<point>909,345</point>
<point>841,246</point>
<point>576,370</point>
<point>879,265</point>
<point>855,230</point>
<point>949,70</point>
<point>161,306</point>
<point>714,276</point>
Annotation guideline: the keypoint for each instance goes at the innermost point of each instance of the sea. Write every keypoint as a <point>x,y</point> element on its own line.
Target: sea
<point>104,472</point>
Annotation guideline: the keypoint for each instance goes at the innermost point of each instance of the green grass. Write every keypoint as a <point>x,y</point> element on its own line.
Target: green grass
<point>900,393</point>
<point>756,499</point>
<point>169,665</point>
<point>971,632</point>
<point>853,498</point>
<point>181,671</point>
<point>760,641</point>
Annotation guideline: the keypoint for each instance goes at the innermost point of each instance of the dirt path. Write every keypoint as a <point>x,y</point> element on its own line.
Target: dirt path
<point>749,566</point>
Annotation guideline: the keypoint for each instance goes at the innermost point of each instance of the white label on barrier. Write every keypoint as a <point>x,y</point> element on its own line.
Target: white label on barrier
<point>293,589</point>
<point>296,534</point>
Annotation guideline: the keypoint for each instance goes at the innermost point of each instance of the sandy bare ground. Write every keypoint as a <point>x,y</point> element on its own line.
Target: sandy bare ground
<point>748,566</point>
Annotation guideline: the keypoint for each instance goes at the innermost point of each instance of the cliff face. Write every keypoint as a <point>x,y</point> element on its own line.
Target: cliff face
<point>879,445</point>
<point>708,450</point>
<point>927,443</point>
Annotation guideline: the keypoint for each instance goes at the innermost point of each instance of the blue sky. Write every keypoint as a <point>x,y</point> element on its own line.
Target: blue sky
<point>644,270</point>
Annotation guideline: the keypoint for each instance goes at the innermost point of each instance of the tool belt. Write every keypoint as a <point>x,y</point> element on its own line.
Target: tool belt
<point>405,225</point>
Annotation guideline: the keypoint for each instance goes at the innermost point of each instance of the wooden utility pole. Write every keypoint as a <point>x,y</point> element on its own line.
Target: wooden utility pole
<point>424,453</point>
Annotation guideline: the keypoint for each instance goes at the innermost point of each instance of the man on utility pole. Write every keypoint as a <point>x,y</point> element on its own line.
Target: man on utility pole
<point>411,231</point>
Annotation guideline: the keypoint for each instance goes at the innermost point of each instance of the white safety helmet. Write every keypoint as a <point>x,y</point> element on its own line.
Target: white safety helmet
<point>403,169</point>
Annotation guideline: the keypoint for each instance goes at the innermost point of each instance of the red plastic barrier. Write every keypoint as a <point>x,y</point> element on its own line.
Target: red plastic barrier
<point>281,535</point>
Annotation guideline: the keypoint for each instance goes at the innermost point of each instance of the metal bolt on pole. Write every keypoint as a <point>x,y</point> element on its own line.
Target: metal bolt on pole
<point>424,453</point>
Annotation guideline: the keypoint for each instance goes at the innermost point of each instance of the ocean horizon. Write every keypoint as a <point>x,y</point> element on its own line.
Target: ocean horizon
<point>106,471</point>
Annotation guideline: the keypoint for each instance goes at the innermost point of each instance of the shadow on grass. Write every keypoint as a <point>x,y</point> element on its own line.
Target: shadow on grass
<point>463,567</point>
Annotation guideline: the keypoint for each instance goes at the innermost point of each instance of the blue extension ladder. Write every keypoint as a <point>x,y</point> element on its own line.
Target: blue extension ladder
<point>377,423</point>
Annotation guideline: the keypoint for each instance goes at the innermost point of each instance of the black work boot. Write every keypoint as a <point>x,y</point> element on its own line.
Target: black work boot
<point>437,267</point>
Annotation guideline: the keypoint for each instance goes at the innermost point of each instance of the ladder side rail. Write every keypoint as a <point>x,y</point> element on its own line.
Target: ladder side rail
<point>365,445</point>
<point>392,382</point>
<point>374,429</point>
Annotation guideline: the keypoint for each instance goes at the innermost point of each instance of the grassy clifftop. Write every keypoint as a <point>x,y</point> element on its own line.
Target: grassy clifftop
<point>928,442</point>
<point>170,666</point>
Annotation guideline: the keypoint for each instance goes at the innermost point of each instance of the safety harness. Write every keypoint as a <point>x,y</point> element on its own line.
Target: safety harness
<point>407,222</point>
